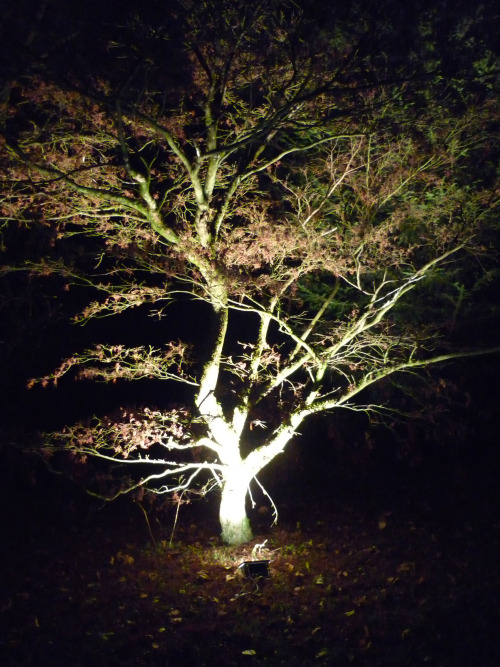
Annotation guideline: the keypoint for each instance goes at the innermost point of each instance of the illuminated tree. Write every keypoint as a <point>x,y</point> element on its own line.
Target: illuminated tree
<point>299,182</point>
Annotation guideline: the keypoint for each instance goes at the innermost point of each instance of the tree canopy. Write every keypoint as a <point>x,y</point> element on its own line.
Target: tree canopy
<point>326,183</point>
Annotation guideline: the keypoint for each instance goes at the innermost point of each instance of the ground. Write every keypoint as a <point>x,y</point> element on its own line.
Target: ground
<point>350,583</point>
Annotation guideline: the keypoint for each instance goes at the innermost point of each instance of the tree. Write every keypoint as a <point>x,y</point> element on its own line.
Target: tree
<point>295,178</point>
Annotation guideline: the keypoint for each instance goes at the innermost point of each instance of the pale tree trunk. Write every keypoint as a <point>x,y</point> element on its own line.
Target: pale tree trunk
<point>233,517</point>
<point>237,477</point>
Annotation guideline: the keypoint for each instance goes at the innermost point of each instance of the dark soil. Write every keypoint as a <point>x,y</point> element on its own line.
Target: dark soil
<point>361,584</point>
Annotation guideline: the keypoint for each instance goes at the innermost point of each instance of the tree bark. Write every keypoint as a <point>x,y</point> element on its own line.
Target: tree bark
<point>233,517</point>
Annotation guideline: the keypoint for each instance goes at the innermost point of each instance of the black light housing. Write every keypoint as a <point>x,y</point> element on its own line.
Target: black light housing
<point>255,568</point>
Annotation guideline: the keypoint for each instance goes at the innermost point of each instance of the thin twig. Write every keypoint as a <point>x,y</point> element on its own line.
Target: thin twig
<point>148,524</point>
<point>179,503</point>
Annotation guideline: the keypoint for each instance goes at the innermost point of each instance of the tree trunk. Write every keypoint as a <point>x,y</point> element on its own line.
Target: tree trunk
<point>233,517</point>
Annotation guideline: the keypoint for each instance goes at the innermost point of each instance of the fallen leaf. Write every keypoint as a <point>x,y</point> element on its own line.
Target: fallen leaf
<point>406,567</point>
<point>125,558</point>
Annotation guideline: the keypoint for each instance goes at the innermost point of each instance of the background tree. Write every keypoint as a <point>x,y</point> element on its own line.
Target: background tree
<point>295,184</point>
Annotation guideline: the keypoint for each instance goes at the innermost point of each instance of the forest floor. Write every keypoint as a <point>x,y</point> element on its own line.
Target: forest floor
<point>365,585</point>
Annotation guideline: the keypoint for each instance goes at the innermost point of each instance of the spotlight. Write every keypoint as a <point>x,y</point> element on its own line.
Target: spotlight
<point>255,568</point>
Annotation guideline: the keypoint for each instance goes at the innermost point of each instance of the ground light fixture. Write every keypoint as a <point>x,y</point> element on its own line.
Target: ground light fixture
<point>255,569</point>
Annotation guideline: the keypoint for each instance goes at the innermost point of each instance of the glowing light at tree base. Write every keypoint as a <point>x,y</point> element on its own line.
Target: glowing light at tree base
<point>234,521</point>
